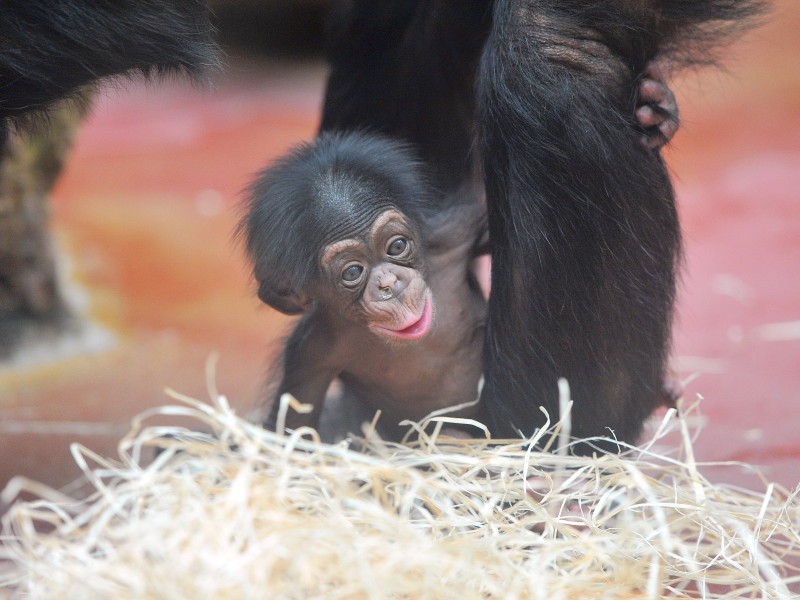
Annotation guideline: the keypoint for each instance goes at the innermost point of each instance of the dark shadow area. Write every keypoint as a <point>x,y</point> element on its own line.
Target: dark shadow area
<point>288,28</point>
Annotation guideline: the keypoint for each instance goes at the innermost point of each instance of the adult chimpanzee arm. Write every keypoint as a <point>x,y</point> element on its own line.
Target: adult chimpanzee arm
<point>582,220</point>
<point>307,373</point>
<point>52,47</point>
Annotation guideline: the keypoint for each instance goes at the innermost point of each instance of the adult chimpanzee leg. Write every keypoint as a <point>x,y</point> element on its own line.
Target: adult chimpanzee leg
<point>52,47</point>
<point>407,70</point>
<point>582,220</point>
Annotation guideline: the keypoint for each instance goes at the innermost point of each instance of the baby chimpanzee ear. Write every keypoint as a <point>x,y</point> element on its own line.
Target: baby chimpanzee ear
<point>286,300</point>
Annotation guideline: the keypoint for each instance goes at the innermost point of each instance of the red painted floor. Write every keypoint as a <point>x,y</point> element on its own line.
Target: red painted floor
<point>145,211</point>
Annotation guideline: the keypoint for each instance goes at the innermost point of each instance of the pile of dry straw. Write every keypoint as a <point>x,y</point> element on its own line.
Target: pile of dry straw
<point>245,513</point>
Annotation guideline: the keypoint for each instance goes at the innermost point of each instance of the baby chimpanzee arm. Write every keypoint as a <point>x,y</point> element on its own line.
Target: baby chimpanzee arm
<point>460,225</point>
<point>307,373</point>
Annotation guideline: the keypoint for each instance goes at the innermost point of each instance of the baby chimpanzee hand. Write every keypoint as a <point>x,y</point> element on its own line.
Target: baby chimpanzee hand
<point>657,111</point>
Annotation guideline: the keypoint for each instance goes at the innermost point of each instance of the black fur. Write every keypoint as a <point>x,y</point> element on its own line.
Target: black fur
<point>583,228</point>
<point>582,218</point>
<point>407,70</point>
<point>52,48</point>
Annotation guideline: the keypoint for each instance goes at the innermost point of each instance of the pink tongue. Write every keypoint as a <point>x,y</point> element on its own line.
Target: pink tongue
<point>413,327</point>
<point>419,324</point>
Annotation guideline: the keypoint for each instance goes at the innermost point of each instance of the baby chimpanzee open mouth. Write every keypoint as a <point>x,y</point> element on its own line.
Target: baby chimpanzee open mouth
<point>417,328</point>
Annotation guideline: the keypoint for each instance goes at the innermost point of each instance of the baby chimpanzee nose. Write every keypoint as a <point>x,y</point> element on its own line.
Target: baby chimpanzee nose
<point>389,285</point>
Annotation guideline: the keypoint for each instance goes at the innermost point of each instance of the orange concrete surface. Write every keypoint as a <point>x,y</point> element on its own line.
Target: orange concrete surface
<point>146,207</point>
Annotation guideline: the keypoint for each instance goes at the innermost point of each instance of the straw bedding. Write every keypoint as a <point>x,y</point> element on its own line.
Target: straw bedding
<point>245,513</point>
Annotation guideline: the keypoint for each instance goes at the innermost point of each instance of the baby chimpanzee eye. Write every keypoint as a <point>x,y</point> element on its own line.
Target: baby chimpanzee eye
<point>352,273</point>
<point>397,247</point>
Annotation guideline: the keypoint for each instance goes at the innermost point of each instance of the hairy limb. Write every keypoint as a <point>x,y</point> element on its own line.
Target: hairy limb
<point>582,223</point>
<point>307,374</point>
<point>407,69</point>
<point>52,48</point>
<point>460,222</point>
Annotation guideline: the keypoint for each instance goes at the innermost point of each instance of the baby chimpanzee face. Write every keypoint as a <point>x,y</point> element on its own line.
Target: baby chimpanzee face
<point>377,278</point>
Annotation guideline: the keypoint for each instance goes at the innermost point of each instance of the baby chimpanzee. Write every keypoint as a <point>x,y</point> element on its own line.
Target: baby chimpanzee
<point>346,231</point>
